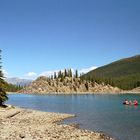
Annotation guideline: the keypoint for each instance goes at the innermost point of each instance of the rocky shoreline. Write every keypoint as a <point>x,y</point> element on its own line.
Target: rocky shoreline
<point>18,123</point>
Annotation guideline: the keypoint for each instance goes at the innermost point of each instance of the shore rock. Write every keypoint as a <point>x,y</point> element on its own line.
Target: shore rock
<point>37,125</point>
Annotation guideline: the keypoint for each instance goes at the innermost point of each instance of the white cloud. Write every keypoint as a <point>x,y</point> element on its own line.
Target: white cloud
<point>31,74</point>
<point>86,70</point>
<point>49,73</point>
<point>6,74</point>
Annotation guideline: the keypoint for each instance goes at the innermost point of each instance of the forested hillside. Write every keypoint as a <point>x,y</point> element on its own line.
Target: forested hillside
<point>124,73</point>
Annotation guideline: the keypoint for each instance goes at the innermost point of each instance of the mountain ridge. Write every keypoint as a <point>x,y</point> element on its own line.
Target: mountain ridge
<point>124,73</point>
<point>17,81</point>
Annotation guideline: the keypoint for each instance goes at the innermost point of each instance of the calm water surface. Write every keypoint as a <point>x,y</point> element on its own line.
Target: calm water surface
<point>103,113</point>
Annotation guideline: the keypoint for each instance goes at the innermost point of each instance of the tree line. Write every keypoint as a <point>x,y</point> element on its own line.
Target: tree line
<point>11,88</point>
<point>63,74</point>
<point>123,82</point>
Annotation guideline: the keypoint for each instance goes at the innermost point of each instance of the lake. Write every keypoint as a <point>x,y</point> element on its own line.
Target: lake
<point>102,113</point>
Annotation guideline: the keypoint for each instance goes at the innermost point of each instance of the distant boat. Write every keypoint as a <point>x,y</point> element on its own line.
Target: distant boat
<point>129,103</point>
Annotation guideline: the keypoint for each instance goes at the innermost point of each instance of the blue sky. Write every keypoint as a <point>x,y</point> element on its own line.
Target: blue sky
<point>43,35</point>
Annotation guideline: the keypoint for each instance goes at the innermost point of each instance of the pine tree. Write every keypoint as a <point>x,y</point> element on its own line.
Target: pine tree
<point>70,73</point>
<point>55,76</point>
<point>65,73</point>
<point>60,74</point>
<point>3,96</point>
<point>76,74</point>
<point>87,86</point>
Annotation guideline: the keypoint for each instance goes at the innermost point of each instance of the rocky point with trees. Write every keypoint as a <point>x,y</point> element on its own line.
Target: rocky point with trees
<point>66,82</point>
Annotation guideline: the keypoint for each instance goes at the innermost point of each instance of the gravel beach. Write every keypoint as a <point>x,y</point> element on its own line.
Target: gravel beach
<point>18,123</point>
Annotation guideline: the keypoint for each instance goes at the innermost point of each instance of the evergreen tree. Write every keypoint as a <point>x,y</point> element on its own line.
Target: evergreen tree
<point>87,86</point>
<point>55,76</point>
<point>65,73</point>
<point>76,74</point>
<point>70,73</point>
<point>60,74</point>
<point>3,96</point>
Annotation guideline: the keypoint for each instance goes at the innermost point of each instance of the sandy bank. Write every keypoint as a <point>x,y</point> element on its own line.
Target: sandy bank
<point>17,123</point>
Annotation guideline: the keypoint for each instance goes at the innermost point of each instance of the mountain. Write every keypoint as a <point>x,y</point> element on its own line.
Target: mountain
<point>11,88</point>
<point>18,81</point>
<point>68,85</point>
<point>124,73</point>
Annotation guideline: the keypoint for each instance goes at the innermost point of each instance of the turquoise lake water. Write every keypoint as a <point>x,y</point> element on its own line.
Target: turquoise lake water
<point>102,113</point>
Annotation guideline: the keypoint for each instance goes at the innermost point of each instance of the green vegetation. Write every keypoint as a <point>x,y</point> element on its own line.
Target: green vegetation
<point>124,73</point>
<point>11,88</point>
<point>3,96</point>
<point>66,73</point>
<point>76,74</point>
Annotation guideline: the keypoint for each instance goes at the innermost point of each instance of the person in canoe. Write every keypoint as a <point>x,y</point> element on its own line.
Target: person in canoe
<point>135,102</point>
<point>126,102</point>
<point>130,102</point>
